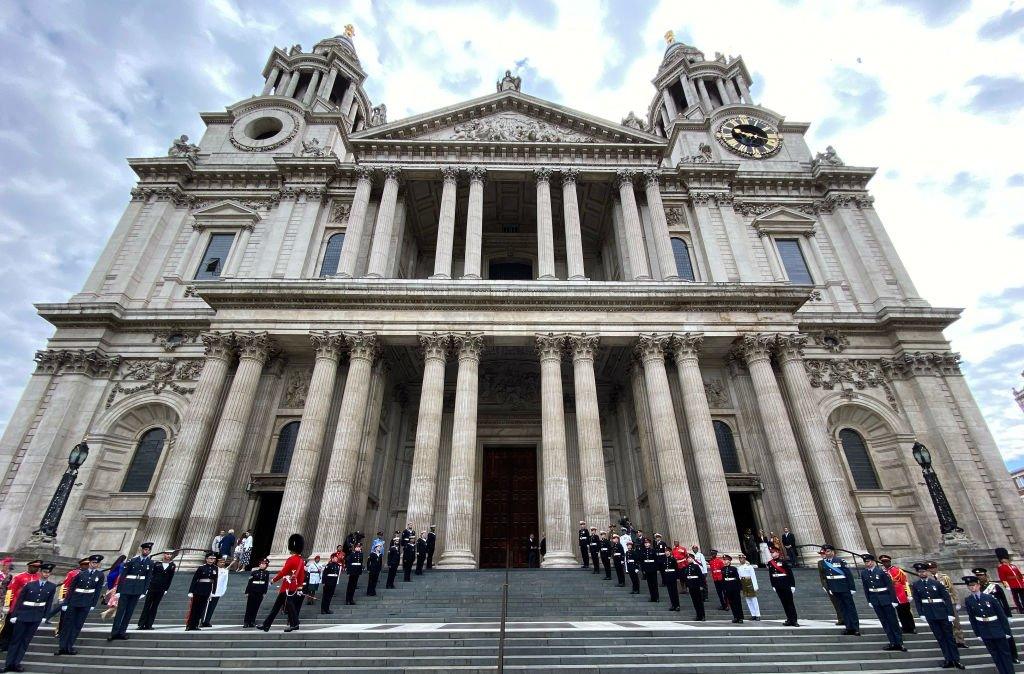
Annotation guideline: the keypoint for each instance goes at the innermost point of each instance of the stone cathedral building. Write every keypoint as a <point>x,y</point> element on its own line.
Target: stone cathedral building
<point>500,317</point>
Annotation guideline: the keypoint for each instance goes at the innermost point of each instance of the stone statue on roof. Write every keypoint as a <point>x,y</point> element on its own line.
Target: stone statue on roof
<point>509,83</point>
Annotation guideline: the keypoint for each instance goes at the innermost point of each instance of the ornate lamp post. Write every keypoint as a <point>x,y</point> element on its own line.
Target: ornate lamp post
<point>947,520</point>
<point>51,518</point>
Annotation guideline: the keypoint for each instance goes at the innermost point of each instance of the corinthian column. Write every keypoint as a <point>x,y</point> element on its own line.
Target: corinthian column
<point>668,450</point>
<point>459,526</point>
<point>796,493</point>
<point>341,474</point>
<point>571,216</point>
<point>822,457</point>
<point>179,472</point>
<point>588,428</point>
<point>632,228</point>
<point>253,349</point>
<point>298,488</point>
<point>356,223</point>
<point>380,252</point>
<point>474,223</point>
<point>554,461</point>
<point>545,233</point>
<point>423,483</point>
<point>662,243</point>
<point>721,523</point>
<point>446,224</point>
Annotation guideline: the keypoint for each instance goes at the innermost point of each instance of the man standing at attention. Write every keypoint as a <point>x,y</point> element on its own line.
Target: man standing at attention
<point>163,574</point>
<point>83,593</point>
<point>990,623</point>
<point>584,540</point>
<point>132,585</point>
<point>838,582</point>
<point>881,596</point>
<point>789,543</point>
<point>936,606</point>
<point>353,567</point>
<point>33,604</point>
<point>901,586</point>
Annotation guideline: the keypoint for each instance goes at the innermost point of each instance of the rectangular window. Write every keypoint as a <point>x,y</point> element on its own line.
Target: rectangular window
<point>793,261</point>
<point>216,255</point>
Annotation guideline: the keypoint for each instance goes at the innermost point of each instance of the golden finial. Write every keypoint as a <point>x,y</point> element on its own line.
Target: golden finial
<point>350,30</point>
<point>670,37</point>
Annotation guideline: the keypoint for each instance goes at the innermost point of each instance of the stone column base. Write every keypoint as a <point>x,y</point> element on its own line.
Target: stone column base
<point>559,560</point>
<point>457,560</point>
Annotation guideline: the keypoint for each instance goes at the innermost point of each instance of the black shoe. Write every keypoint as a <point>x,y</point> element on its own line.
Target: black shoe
<point>840,622</point>
<point>634,592</point>
<point>962,645</point>
<point>205,625</point>
<point>737,620</point>
<point>958,665</point>
<point>902,649</point>
<point>265,628</point>
<point>290,629</point>
<point>652,600</point>
<point>327,612</point>
<point>723,608</point>
<point>350,603</point>
<point>756,618</point>
<point>620,585</point>
<point>187,629</point>
<point>675,608</point>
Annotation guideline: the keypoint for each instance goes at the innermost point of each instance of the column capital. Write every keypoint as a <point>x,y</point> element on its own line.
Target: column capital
<point>623,176</point>
<point>652,178</point>
<point>790,347</point>
<point>435,345</point>
<point>327,344</point>
<point>469,344</point>
<point>550,346</point>
<point>569,175</point>
<point>219,345</point>
<point>476,174</point>
<point>652,347</point>
<point>391,173</point>
<point>687,345</point>
<point>755,347</point>
<point>362,345</point>
<point>255,345</point>
<point>450,174</point>
<point>542,174</point>
<point>364,173</point>
<point>584,346</point>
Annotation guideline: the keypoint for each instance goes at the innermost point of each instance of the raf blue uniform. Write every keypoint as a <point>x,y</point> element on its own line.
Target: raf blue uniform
<point>33,605</point>
<point>936,606</point>
<point>132,584</point>
<point>83,594</point>
<point>881,596</point>
<point>991,625</point>
<point>839,583</point>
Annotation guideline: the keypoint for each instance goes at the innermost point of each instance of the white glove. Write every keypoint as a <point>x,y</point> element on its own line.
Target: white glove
<point>895,605</point>
<point>957,607</point>
<point>142,595</point>
<point>189,595</point>
<point>952,619</point>
<point>117,594</point>
<point>829,592</point>
<point>14,620</point>
<point>793,590</point>
<point>64,607</point>
<point>853,592</point>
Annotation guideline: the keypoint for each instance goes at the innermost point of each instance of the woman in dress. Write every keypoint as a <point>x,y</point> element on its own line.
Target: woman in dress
<point>245,557</point>
<point>764,555</point>
<point>112,573</point>
<point>776,544</point>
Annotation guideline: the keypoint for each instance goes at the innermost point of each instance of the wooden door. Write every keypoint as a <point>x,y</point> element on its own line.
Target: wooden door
<point>509,509</point>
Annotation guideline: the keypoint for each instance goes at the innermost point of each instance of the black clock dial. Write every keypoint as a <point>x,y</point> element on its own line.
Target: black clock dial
<point>749,135</point>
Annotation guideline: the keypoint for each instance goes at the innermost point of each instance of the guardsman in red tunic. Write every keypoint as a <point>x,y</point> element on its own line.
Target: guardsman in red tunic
<point>292,575</point>
<point>1012,578</point>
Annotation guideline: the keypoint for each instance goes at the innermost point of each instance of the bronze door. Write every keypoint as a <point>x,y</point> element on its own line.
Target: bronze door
<point>509,509</point>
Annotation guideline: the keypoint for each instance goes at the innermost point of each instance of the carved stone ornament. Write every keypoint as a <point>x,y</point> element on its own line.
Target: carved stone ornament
<point>827,158</point>
<point>435,345</point>
<point>156,375</point>
<point>550,346</point>
<point>583,346</point>
<point>831,340</point>
<point>761,207</point>
<point>255,345</point>
<point>570,175</point>
<point>509,390</point>
<point>850,375</point>
<point>755,347</point>
<point>469,345</point>
<point>296,388</point>
<point>687,345</point>
<point>66,361</point>
<point>312,148</point>
<point>312,192</point>
<point>450,174</point>
<point>327,344</point>
<point>245,144</point>
<point>790,346</point>
<point>652,347</point>
<point>928,364</point>
<point>704,156</point>
<point>378,115</point>
<point>510,127</point>
<point>623,177</point>
<point>171,339</point>
<point>675,216</point>
<point>717,394</point>
<point>476,174</point>
<point>634,122</point>
<point>509,82</point>
<point>362,345</point>
<point>703,198</point>
<point>340,211</point>
<point>542,174</point>
<point>219,345</point>
<point>182,148</point>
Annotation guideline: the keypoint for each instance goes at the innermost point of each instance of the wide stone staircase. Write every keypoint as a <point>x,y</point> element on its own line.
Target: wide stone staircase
<point>448,621</point>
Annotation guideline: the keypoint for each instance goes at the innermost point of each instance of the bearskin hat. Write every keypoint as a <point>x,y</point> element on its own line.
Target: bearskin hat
<point>296,543</point>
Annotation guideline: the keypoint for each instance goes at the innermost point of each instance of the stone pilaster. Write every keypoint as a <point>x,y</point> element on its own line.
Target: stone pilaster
<point>299,487</point>
<point>380,252</point>
<point>474,223</point>
<point>337,493</point>
<point>796,494</point>
<point>446,224</point>
<point>721,523</point>
<point>459,531</point>
<point>631,224</point>
<point>423,483</point>
<point>588,424</point>
<point>219,472</point>
<point>648,464</point>
<point>182,464</point>
<point>271,79</point>
<point>668,450</point>
<point>545,228</point>
<point>557,518</point>
<point>662,242</point>
<point>573,236</point>
<point>356,223</point>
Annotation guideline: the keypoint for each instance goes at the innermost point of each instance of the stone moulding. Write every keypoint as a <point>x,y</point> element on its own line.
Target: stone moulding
<point>851,374</point>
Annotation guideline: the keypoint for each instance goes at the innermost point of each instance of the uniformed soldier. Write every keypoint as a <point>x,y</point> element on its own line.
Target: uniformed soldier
<point>958,631</point>
<point>901,586</point>
<point>632,561</point>
<point>163,574</point>
<point>990,624</point>
<point>605,550</point>
<point>839,583</point>
<point>780,574</point>
<point>733,588</point>
<point>995,590</point>
<point>649,563</point>
<point>19,581</point>
<point>292,576</point>
<point>331,574</point>
<point>595,550</point>
<point>408,534</point>
<point>408,557</point>
<point>834,599</point>
<point>584,540</point>
<point>671,576</point>
<point>354,568</point>
<point>32,606</point>
<point>394,559</point>
<point>84,592</point>
<point>693,576</point>
<point>255,592</point>
<point>431,545</point>
<point>662,550</point>
<point>373,566</point>
<point>618,553</point>
<point>132,584</point>
<point>204,580</point>
<point>421,553</point>
<point>881,596</point>
<point>936,606</point>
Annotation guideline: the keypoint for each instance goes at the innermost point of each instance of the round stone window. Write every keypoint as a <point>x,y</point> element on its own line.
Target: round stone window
<point>263,129</point>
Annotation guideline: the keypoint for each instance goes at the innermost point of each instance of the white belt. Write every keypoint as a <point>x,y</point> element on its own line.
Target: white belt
<point>84,590</point>
<point>259,582</point>
<point>779,575</point>
<point>205,580</point>
<point>724,579</point>
<point>33,603</point>
<point>332,575</point>
<point>693,577</point>
<point>135,577</point>
<point>987,619</point>
<point>835,577</point>
<point>878,589</point>
<point>933,601</point>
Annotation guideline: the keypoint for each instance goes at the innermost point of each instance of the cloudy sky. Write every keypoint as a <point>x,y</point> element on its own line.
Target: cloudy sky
<point>929,91</point>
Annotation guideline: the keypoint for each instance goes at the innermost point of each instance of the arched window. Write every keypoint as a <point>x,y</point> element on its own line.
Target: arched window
<point>285,447</point>
<point>332,255</point>
<point>684,266</point>
<point>143,465</point>
<point>727,448</point>
<point>857,457</point>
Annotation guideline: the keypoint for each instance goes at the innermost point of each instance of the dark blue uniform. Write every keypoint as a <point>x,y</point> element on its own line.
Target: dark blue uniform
<point>733,587</point>
<point>671,575</point>
<point>394,558</point>
<point>33,605</point>
<point>353,567</point>
<point>584,538</point>
<point>204,580</point>
<point>132,583</point>
<point>936,606</point>
<point>83,594</point>
<point>649,563</point>
<point>693,577</point>
<point>881,596</point>
<point>373,566</point>
<point>780,574</point>
<point>992,626</point>
<point>255,592</point>
<point>839,584</point>
<point>163,574</point>
<point>331,574</point>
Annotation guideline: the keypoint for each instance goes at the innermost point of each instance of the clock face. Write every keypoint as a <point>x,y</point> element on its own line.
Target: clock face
<point>749,137</point>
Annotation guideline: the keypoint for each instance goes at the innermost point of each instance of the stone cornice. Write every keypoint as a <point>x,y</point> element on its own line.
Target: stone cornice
<point>114,315</point>
<point>887,318</point>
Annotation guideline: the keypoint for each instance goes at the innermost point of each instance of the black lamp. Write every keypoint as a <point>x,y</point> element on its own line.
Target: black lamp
<point>922,456</point>
<point>943,509</point>
<point>54,511</point>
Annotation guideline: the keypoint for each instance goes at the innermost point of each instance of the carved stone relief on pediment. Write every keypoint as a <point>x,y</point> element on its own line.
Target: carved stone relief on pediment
<point>509,127</point>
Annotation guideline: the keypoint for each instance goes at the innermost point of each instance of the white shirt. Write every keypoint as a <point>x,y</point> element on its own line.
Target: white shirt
<point>222,583</point>
<point>625,540</point>
<point>747,571</point>
<point>216,544</point>
<point>247,543</point>
<point>703,563</point>
<point>313,571</point>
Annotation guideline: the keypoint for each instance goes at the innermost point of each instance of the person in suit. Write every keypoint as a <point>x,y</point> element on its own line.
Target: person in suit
<point>354,568</point>
<point>84,592</point>
<point>132,585</point>
<point>780,574</point>
<point>408,557</point>
<point>394,559</point>
<point>543,545</point>
<point>204,580</point>
<point>32,606</point>
<point>881,596</point>
<point>220,588</point>
<point>662,550</point>
<point>532,552</point>
<point>255,591</point>
<point>693,577</point>
<point>649,563</point>
<point>990,624</point>
<point>163,574</point>
<point>332,572</point>
<point>431,545</point>
<point>936,606</point>
<point>605,550</point>
<point>789,545</point>
<point>838,582</point>
<point>595,550</point>
<point>408,534</point>
<point>670,574</point>
<point>292,577</point>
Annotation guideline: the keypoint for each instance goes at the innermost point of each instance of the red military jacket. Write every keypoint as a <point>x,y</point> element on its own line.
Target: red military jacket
<point>18,582</point>
<point>294,563</point>
<point>716,565</point>
<point>1011,576</point>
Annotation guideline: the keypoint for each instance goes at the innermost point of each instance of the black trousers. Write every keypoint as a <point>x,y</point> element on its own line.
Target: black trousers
<point>430,558</point>
<point>652,584</point>
<point>350,590</point>
<point>420,561</point>
<point>890,623</point>
<point>71,623</point>
<point>210,608</point>
<point>407,570</point>
<point>392,572</point>
<point>533,559</point>
<point>252,607</point>
<point>906,618</point>
<point>785,595</point>
<point>673,589</point>
<point>634,578</point>
<point>1018,598</point>
<point>150,606</point>
<point>620,574</point>
<point>329,588</point>
<point>371,583</point>
<point>735,603</point>
<point>720,591</point>
<point>197,610</point>
<point>704,587</point>
<point>287,603</point>
<point>20,639</point>
<point>943,631</point>
<point>595,557</point>
<point>844,600</point>
<point>5,633</point>
<point>125,608</point>
<point>607,563</point>
<point>697,597</point>
<point>999,649</point>
<point>585,555</point>
<point>840,616</point>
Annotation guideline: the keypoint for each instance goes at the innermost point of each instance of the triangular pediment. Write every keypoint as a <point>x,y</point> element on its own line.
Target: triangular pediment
<point>784,215</point>
<point>508,117</point>
<point>226,211</point>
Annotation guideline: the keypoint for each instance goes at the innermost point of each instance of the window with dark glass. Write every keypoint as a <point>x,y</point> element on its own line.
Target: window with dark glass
<point>510,270</point>
<point>681,253</point>
<point>857,457</point>
<point>332,255</point>
<point>285,446</point>
<point>143,465</point>
<point>727,448</point>
<point>793,261</point>
<point>216,255</point>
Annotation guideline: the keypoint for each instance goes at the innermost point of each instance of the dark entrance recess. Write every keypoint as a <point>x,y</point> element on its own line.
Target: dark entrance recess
<point>743,510</point>
<point>510,270</point>
<point>264,524</point>
<point>509,513</point>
